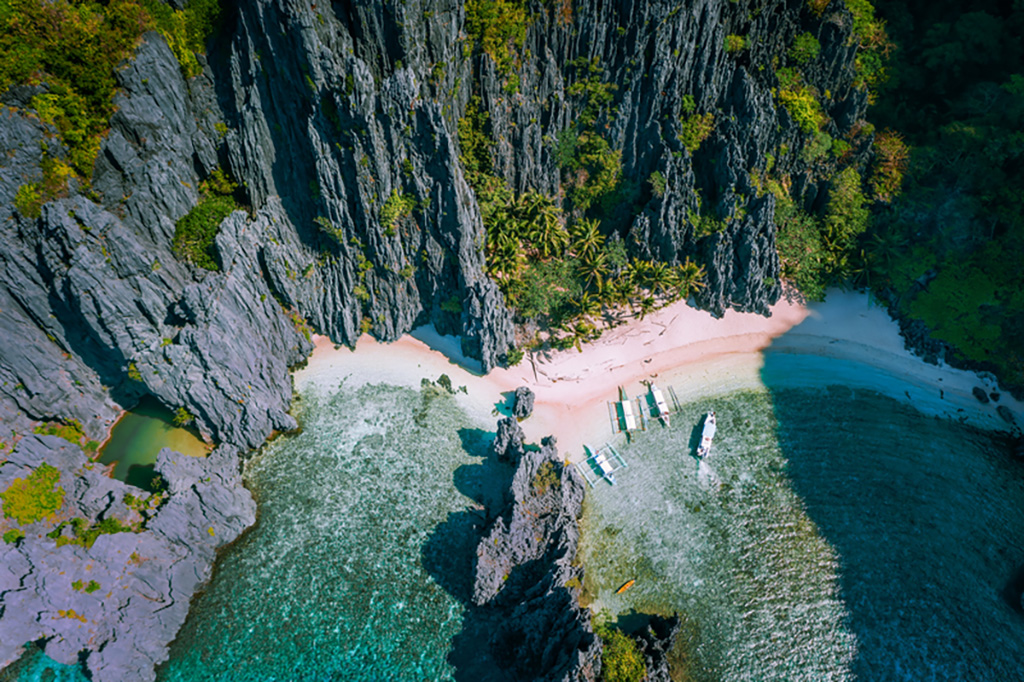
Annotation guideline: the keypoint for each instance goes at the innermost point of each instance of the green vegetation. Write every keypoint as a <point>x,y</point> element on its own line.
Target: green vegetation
<point>497,27</point>
<point>513,356</point>
<point>621,660</point>
<point>657,183</point>
<point>183,417</point>
<point>888,165</point>
<point>546,478</point>
<point>800,100</point>
<point>694,129</point>
<point>74,47</point>
<point>948,234</point>
<point>591,169</point>
<point>133,372</point>
<point>194,233</point>
<point>186,31</point>
<point>396,207</point>
<point>735,43</point>
<point>816,253</point>
<point>88,588</point>
<point>32,499</point>
<point>85,535</point>
<point>13,535</point>
<point>72,431</point>
<point>873,46</point>
<point>805,48</point>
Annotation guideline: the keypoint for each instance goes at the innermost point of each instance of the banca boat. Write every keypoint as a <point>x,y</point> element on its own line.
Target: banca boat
<point>707,435</point>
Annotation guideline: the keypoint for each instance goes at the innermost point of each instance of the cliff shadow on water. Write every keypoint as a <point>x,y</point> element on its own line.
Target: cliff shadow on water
<point>450,553</point>
<point>924,513</point>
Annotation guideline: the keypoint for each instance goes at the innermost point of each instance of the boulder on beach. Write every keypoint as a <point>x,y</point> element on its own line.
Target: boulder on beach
<point>522,407</point>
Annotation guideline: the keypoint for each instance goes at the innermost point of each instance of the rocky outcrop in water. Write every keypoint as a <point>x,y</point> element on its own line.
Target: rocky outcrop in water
<point>527,583</point>
<point>656,641</point>
<point>113,604</point>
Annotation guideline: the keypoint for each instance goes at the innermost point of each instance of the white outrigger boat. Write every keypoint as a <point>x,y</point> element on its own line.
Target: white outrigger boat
<point>625,416</point>
<point>704,449</point>
<point>605,460</point>
<point>661,405</point>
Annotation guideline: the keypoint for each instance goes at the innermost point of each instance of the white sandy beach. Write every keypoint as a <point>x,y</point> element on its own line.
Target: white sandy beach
<point>678,346</point>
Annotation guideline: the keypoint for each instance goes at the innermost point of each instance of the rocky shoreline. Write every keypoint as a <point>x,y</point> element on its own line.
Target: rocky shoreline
<point>143,568</point>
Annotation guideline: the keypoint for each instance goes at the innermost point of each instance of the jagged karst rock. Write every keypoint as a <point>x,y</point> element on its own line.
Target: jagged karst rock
<point>326,116</point>
<point>525,578</point>
<point>145,579</point>
<point>656,642</point>
<point>522,407</point>
<point>657,54</point>
<point>508,442</point>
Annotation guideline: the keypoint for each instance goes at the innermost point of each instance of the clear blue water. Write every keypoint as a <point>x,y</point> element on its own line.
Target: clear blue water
<point>834,534</point>
<point>335,581</point>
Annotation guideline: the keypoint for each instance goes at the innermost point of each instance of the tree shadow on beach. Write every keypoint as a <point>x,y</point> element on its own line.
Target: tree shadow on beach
<point>449,554</point>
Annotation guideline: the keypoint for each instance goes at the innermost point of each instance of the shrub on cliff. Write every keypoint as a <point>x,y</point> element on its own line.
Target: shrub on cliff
<point>73,49</point>
<point>194,233</point>
<point>805,48</point>
<point>800,100</point>
<point>32,499</point>
<point>621,660</point>
<point>694,129</point>
<point>497,26</point>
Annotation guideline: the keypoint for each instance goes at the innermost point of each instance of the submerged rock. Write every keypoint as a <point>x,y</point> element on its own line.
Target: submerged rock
<point>656,641</point>
<point>979,393</point>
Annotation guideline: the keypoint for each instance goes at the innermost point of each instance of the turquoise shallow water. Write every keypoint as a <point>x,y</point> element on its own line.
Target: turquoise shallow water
<point>834,534</point>
<point>330,584</point>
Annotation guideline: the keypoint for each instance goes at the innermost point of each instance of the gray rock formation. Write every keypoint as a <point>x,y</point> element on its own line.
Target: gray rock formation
<point>115,605</point>
<point>526,581</point>
<point>657,54</point>
<point>522,407</point>
<point>339,123</point>
<point>656,641</point>
<point>508,444</point>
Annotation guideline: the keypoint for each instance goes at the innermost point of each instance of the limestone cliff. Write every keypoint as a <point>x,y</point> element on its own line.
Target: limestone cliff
<point>340,123</point>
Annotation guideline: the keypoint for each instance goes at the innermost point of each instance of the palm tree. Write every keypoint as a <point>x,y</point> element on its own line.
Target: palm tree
<point>647,304</point>
<point>504,257</point>
<point>659,277</point>
<point>689,278</point>
<point>586,238</point>
<point>593,268</point>
<point>587,306</point>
